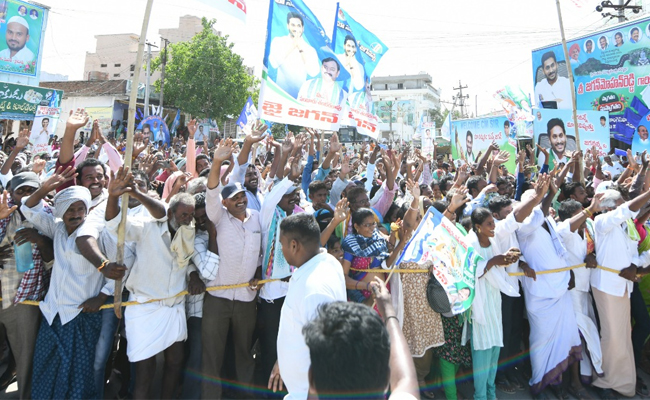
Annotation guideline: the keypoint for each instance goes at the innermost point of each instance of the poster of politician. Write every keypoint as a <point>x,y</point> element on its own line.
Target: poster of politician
<point>555,132</point>
<point>304,83</point>
<point>43,128</point>
<point>21,30</point>
<point>439,242</point>
<point>473,136</point>
<point>359,50</point>
<point>611,71</point>
<point>640,141</point>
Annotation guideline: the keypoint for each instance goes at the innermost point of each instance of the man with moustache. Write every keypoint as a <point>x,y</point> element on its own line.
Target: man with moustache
<point>325,88</point>
<point>557,136</point>
<point>553,87</point>
<point>295,60</point>
<point>17,36</point>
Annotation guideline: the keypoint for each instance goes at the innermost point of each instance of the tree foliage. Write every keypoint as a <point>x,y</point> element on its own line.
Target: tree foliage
<point>204,77</point>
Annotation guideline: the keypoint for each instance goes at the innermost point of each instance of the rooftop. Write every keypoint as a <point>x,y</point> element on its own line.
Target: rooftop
<point>88,88</point>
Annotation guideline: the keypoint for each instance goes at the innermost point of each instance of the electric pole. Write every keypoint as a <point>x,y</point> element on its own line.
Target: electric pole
<point>162,75</point>
<point>461,99</point>
<point>147,82</point>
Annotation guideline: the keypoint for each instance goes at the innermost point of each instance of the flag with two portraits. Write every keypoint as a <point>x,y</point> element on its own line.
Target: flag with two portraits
<point>360,51</point>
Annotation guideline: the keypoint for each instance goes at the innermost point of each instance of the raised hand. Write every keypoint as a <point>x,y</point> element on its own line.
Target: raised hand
<point>595,207</point>
<point>98,132</point>
<point>335,145</point>
<point>458,199</point>
<point>644,159</point>
<point>287,145</point>
<point>544,151</point>
<point>23,139</point>
<point>414,188</point>
<point>543,183</point>
<point>501,158</point>
<point>345,166</point>
<point>191,128</point>
<point>58,178</point>
<point>121,182</point>
<point>341,211</point>
<point>223,151</point>
<point>38,166</point>
<point>77,119</point>
<point>257,133</point>
<point>521,158</point>
<point>296,169</point>
<point>5,210</point>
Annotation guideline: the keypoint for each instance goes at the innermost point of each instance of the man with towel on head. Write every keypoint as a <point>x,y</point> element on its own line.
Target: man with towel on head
<point>163,248</point>
<point>65,346</point>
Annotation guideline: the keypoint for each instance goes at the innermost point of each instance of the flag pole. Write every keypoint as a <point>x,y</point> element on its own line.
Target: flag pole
<point>574,106</point>
<point>128,155</point>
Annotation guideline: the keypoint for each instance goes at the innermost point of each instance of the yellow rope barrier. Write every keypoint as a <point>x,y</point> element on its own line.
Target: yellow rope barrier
<point>374,271</point>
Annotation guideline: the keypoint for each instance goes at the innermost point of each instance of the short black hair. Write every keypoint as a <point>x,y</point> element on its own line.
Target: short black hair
<point>349,348</point>
<point>472,182</point>
<point>292,15</point>
<point>331,59</point>
<point>552,123</point>
<point>603,118</point>
<point>548,55</point>
<point>89,162</point>
<point>349,37</point>
<point>360,215</point>
<point>568,208</point>
<point>202,157</point>
<point>138,173</point>
<point>569,188</point>
<point>498,203</point>
<point>45,119</point>
<point>315,186</point>
<point>470,134</point>
<point>506,123</point>
<point>479,215</point>
<point>634,29</point>
<point>301,227</point>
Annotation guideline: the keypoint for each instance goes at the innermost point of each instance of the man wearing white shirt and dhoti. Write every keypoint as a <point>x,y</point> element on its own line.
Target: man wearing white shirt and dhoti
<point>554,337</point>
<point>616,248</point>
<point>163,250</point>
<point>65,347</point>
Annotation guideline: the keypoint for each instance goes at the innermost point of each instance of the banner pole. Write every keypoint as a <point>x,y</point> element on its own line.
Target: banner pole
<point>574,106</point>
<point>128,155</point>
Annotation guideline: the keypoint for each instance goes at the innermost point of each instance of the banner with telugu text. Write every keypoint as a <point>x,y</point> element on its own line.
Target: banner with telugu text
<point>473,136</point>
<point>235,8</point>
<point>303,81</point>
<point>360,51</point>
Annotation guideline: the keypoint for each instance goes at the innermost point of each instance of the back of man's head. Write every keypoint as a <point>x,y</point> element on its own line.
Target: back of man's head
<point>349,348</point>
<point>301,227</point>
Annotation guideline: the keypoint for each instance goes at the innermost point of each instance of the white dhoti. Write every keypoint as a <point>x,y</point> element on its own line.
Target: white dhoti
<point>592,355</point>
<point>554,338</point>
<point>153,327</point>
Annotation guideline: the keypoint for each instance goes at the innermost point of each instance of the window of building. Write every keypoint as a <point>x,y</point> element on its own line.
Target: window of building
<point>118,65</point>
<point>104,65</point>
<point>116,75</point>
<point>386,85</point>
<point>132,67</point>
<point>400,86</point>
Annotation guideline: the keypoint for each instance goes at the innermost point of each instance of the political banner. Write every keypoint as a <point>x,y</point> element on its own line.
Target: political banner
<point>360,51</point>
<point>103,115</point>
<point>445,129</point>
<point>175,123</point>
<point>303,81</point>
<point>555,132</point>
<point>234,8</point>
<point>427,136</point>
<point>154,130</point>
<point>248,115</point>
<point>21,25</point>
<point>518,111</point>
<point>437,240</point>
<point>43,128</point>
<point>611,70</point>
<point>391,111</point>
<point>640,141</point>
<point>474,136</point>
<point>20,102</point>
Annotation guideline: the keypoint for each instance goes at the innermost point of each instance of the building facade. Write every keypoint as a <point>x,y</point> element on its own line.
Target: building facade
<point>401,101</point>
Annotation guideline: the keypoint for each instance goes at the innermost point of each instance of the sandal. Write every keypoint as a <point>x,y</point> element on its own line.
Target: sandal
<point>505,386</point>
<point>641,388</point>
<point>581,394</point>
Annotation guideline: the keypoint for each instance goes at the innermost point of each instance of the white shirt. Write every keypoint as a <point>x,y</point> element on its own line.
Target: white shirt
<point>156,273</point>
<point>614,169</point>
<point>537,247</point>
<point>207,263</point>
<point>320,280</point>
<point>614,249</point>
<point>74,279</point>
<point>294,67</point>
<point>576,252</point>
<point>23,56</point>
<point>505,233</point>
<point>560,91</point>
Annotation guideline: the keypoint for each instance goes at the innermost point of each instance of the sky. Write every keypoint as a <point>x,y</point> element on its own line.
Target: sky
<point>486,45</point>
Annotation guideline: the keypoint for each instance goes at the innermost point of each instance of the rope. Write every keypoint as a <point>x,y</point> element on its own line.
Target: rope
<point>397,271</point>
<point>552,271</point>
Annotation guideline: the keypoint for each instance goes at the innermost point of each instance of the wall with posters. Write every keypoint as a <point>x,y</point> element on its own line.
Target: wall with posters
<point>43,127</point>
<point>560,140</point>
<point>22,29</point>
<point>104,115</point>
<point>611,72</point>
<point>471,136</point>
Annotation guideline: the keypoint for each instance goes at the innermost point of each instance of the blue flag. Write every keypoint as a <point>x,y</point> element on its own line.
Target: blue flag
<point>303,82</point>
<point>359,50</point>
<point>176,122</point>
<point>248,114</point>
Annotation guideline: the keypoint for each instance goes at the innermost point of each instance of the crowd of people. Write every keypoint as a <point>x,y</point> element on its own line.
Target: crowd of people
<point>256,268</point>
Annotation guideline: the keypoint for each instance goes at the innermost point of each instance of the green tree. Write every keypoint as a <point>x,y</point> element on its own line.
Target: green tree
<point>205,78</point>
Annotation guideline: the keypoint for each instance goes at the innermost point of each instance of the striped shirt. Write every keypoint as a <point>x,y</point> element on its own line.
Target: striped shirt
<point>207,264</point>
<point>74,279</point>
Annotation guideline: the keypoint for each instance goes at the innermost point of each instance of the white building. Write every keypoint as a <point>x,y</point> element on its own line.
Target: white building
<point>115,55</point>
<point>401,101</point>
